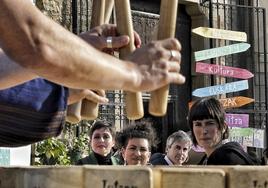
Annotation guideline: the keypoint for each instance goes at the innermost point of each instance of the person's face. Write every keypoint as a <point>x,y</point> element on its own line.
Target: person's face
<point>178,152</point>
<point>102,141</point>
<point>136,152</point>
<point>207,133</point>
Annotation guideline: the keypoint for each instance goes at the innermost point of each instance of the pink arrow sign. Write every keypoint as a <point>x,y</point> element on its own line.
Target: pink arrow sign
<point>237,120</point>
<point>223,70</point>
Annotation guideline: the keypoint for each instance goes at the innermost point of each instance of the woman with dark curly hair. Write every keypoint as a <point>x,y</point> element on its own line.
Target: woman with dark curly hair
<point>209,130</point>
<point>136,141</point>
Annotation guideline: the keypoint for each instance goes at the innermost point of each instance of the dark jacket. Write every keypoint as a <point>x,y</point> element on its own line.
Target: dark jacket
<point>91,159</point>
<point>158,159</point>
<point>230,153</point>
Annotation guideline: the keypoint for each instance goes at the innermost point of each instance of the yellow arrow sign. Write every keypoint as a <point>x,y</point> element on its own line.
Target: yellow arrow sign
<point>232,102</point>
<point>220,34</point>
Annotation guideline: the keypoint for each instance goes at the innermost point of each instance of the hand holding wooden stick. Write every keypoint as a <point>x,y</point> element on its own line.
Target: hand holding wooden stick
<point>86,109</point>
<point>134,105</point>
<point>89,109</point>
<point>166,29</point>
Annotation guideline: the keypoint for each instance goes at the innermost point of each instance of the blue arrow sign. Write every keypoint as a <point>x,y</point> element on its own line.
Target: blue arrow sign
<point>221,51</point>
<point>221,89</point>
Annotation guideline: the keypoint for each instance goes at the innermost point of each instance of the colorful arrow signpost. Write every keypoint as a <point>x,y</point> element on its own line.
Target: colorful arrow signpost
<point>221,51</point>
<point>221,89</point>
<point>220,34</point>
<point>232,102</point>
<point>237,120</point>
<point>232,120</point>
<point>223,70</point>
<point>235,102</point>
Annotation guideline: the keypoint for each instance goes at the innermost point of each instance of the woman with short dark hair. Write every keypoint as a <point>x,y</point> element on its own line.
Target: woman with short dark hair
<point>209,130</point>
<point>102,140</point>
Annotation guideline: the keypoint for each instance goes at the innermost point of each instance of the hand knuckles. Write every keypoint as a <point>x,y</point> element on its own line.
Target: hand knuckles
<point>164,65</point>
<point>152,44</point>
<point>159,54</point>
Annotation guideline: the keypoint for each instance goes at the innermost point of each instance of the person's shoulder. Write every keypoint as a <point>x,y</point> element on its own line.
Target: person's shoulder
<point>158,159</point>
<point>116,161</point>
<point>157,155</point>
<point>232,153</point>
<point>90,159</point>
<point>82,161</point>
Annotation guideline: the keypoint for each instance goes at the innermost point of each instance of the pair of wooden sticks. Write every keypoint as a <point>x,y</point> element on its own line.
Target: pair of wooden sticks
<point>166,29</point>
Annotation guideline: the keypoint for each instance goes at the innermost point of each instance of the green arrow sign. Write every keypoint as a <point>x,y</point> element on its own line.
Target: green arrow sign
<point>221,51</point>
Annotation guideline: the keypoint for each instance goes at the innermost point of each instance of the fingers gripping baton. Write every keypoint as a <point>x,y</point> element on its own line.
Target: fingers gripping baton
<point>134,105</point>
<point>166,29</point>
<point>86,109</point>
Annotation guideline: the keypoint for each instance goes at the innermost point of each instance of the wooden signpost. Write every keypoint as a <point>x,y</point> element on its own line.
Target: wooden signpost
<point>232,102</point>
<point>221,89</point>
<point>220,34</point>
<point>235,102</point>
<point>221,51</point>
<point>225,71</point>
<point>237,120</point>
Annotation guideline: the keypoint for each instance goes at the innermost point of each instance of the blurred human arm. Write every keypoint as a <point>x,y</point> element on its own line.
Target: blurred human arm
<point>45,48</point>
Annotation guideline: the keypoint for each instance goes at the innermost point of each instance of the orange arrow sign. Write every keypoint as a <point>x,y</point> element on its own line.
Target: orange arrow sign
<point>232,102</point>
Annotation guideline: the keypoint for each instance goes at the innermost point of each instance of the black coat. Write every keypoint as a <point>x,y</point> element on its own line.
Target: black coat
<point>230,153</point>
<point>158,159</point>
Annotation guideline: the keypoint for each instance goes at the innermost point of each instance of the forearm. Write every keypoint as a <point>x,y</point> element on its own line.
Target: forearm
<point>47,49</point>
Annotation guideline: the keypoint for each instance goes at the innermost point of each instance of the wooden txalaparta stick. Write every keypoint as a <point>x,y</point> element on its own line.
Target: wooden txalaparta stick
<point>109,5</point>
<point>89,109</point>
<point>166,29</point>
<point>86,109</point>
<point>134,105</point>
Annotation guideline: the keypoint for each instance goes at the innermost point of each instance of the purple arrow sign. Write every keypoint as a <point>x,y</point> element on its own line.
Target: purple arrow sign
<point>223,70</point>
<point>237,120</point>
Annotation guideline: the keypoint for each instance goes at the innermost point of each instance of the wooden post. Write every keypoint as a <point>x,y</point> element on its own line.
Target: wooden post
<point>166,29</point>
<point>25,177</point>
<point>248,176</point>
<point>134,105</point>
<point>190,177</point>
<point>118,176</point>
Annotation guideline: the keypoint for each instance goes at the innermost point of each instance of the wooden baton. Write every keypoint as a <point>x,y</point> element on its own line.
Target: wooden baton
<point>89,109</point>
<point>109,5</point>
<point>134,105</point>
<point>166,29</point>
<point>74,112</point>
<point>86,109</point>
